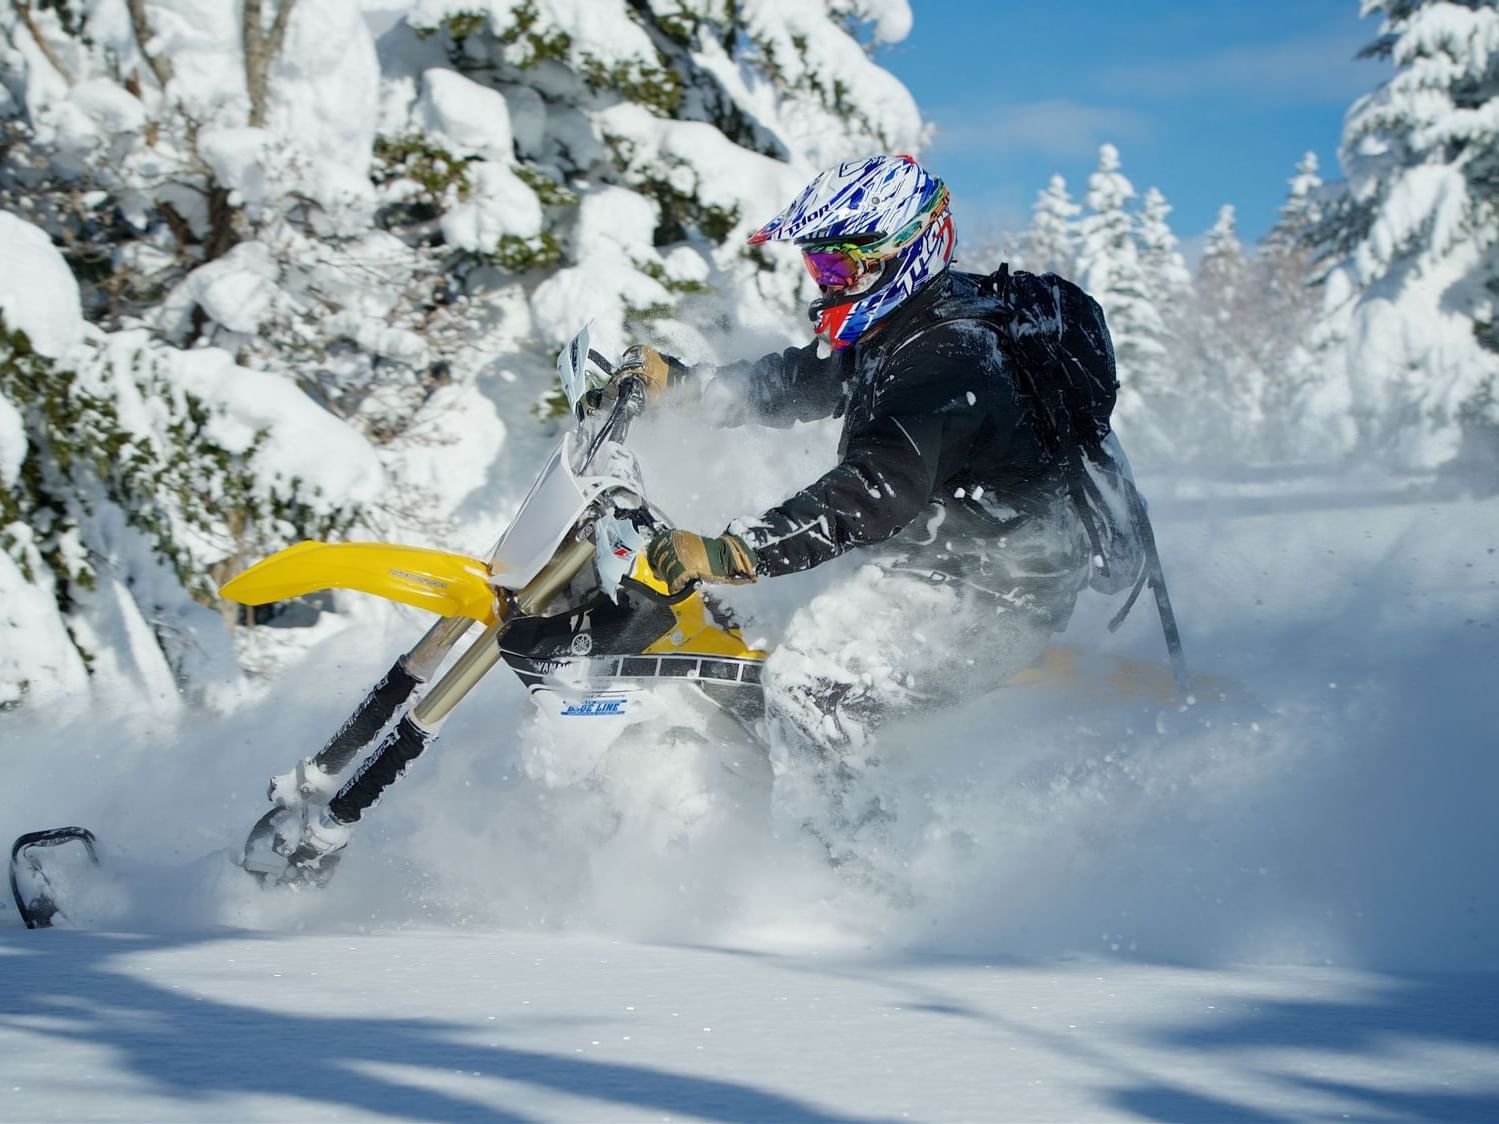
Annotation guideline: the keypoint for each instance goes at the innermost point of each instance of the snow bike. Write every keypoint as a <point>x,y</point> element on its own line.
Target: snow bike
<point>565,598</point>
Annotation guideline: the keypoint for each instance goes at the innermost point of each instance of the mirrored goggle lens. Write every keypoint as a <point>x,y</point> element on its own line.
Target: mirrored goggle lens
<point>835,268</point>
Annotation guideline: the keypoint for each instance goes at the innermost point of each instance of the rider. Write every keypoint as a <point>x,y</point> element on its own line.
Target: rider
<point>947,482</point>
<point>943,480</point>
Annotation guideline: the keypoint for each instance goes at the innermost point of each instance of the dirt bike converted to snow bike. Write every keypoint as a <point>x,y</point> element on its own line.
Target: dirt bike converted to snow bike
<point>565,598</point>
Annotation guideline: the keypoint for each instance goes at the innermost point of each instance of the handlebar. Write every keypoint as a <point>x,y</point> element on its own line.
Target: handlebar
<point>629,401</point>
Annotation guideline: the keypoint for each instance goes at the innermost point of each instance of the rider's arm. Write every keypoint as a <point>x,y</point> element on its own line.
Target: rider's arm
<point>937,400</point>
<point>778,389</point>
<point>885,478</point>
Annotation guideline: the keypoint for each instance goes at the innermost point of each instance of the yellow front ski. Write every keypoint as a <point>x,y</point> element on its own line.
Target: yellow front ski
<point>450,585</point>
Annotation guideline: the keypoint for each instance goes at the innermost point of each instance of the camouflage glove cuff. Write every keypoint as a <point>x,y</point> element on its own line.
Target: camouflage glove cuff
<point>657,370</point>
<point>678,557</point>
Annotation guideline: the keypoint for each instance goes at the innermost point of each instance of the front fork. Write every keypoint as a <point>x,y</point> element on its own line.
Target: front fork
<point>269,846</point>
<point>314,778</point>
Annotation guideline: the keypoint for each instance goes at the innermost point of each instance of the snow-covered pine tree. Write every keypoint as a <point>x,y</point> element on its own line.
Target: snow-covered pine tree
<point>1165,269</point>
<point>1301,213</point>
<point>1221,378</point>
<point>1281,319</point>
<point>140,470</point>
<point>658,135</point>
<point>1050,243</point>
<point>1221,272</point>
<point>1108,266</point>
<point>201,167</point>
<point>129,473</point>
<point>391,215</point>
<point>1414,236</point>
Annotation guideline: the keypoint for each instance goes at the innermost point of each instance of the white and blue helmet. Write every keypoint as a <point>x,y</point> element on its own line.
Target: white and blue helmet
<point>873,232</point>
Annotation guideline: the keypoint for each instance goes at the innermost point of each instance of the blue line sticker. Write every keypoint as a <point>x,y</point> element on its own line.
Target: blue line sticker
<point>594,708</point>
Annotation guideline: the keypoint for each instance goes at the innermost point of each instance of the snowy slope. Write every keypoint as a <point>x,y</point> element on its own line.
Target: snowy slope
<point>1278,901</point>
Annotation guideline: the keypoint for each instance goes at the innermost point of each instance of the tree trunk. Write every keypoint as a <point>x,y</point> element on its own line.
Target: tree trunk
<point>223,230</point>
<point>161,67</point>
<point>261,48</point>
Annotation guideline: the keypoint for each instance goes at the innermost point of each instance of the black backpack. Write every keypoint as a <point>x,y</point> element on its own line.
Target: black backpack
<point>1059,346</point>
<point>1051,328</point>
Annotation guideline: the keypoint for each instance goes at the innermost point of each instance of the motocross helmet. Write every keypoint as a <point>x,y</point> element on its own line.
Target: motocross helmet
<point>872,232</point>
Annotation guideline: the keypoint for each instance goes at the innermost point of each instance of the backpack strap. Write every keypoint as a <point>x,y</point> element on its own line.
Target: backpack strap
<point>1157,579</point>
<point>998,282</point>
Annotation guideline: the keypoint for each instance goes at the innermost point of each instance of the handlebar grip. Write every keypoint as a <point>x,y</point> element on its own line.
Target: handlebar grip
<point>632,388</point>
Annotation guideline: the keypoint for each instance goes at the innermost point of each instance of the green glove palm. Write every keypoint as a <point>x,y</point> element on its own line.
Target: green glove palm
<point>679,557</point>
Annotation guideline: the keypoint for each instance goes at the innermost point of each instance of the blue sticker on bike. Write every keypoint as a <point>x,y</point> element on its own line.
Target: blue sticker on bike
<point>594,708</point>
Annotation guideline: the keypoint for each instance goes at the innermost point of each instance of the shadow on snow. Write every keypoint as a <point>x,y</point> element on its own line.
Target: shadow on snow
<point>1402,1016</point>
<point>63,985</point>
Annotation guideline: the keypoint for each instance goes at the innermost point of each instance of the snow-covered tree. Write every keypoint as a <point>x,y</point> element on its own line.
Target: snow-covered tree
<point>1050,243</point>
<point>1301,213</point>
<point>390,216</point>
<point>204,169</point>
<point>1161,260</point>
<point>1169,283</point>
<point>1280,321</point>
<point>1412,293</point>
<point>1109,267</point>
<point>1221,374</point>
<point>142,471</point>
<point>1221,271</point>
<point>130,473</point>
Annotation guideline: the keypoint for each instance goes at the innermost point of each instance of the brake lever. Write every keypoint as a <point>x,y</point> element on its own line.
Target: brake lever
<point>593,400</point>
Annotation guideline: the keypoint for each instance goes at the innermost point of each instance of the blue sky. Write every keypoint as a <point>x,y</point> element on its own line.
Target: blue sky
<point>1212,101</point>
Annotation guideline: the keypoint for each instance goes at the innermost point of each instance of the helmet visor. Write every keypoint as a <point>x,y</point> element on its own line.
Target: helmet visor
<point>835,266</point>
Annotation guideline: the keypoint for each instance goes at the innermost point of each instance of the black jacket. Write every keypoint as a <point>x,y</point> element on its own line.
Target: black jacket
<point>934,426</point>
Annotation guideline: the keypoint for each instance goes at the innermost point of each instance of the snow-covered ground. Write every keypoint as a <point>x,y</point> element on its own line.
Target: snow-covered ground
<point>1278,901</point>
<point>451,1025</point>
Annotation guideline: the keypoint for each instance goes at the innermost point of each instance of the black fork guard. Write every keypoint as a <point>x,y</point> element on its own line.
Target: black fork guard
<point>39,912</point>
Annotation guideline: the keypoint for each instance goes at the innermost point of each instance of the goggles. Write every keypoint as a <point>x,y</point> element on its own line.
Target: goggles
<point>838,265</point>
<point>842,264</point>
